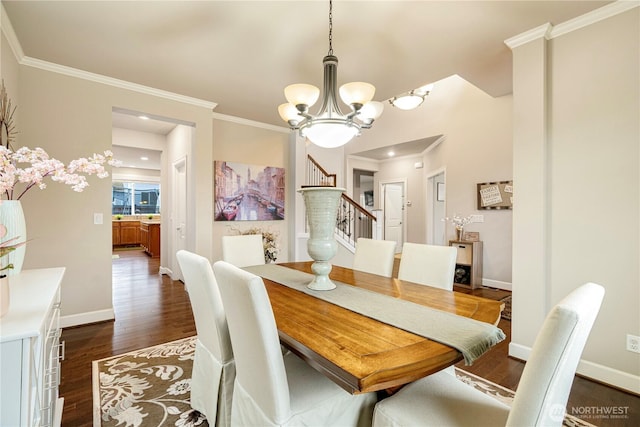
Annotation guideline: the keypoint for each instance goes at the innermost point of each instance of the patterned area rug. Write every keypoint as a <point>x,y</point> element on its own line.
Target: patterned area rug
<point>506,313</point>
<point>152,386</point>
<point>147,387</point>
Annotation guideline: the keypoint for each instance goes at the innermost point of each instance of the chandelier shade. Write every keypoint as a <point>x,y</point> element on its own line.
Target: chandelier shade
<point>413,99</point>
<point>301,93</point>
<point>371,110</point>
<point>330,128</point>
<point>288,113</point>
<point>357,92</point>
<point>407,102</point>
<point>329,134</point>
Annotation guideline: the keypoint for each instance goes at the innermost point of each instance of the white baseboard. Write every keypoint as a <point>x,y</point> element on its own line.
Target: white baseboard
<point>85,318</point>
<point>604,374</point>
<point>165,271</point>
<point>496,284</point>
<point>594,371</point>
<point>519,351</point>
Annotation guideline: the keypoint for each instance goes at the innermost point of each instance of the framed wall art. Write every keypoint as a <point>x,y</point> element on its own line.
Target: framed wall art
<point>244,192</point>
<point>495,195</point>
<point>440,190</point>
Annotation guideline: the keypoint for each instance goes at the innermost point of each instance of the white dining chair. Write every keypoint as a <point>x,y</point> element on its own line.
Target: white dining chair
<point>442,400</point>
<point>374,256</point>
<point>214,370</point>
<point>243,250</point>
<point>428,265</point>
<point>272,389</point>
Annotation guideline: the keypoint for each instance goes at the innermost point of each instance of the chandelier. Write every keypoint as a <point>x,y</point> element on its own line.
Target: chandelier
<point>330,128</point>
<point>413,99</point>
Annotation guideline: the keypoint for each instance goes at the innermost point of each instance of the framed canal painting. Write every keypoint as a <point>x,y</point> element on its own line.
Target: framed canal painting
<point>245,192</point>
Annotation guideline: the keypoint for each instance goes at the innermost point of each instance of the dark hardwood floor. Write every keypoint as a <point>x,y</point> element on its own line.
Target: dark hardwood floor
<point>151,309</point>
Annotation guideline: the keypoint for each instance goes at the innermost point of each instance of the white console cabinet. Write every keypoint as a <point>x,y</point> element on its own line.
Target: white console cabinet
<point>30,350</point>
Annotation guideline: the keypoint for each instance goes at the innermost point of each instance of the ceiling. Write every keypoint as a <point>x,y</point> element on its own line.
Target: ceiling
<point>134,157</point>
<point>139,158</point>
<point>399,150</point>
<point>241,54</point>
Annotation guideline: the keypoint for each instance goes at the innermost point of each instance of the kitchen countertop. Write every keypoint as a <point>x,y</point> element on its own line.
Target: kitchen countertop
<point>150,221</point>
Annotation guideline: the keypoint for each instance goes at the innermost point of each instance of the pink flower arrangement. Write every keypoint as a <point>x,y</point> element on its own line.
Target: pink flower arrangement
<point>40,166</point>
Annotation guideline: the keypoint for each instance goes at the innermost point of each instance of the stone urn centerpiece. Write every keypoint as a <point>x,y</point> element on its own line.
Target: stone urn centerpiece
<point>321,211</point>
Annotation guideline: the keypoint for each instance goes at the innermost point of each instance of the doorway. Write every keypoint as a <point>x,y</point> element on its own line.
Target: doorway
<point>179,215</point>
<point>145,133</point>
<point>393,211</point>
<point>436,208</point>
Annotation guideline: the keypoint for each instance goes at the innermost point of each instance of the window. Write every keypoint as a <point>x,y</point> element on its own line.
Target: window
<point>134,198</point>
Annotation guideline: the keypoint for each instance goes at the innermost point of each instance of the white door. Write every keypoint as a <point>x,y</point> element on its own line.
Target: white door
<point>393,213</point>
<point>178,215</point>
<point>436,210</point>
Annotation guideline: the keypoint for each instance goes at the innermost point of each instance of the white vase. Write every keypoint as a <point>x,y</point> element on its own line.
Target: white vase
<point>4,295</point>
<point>12,216</point>
<point>322,209</point>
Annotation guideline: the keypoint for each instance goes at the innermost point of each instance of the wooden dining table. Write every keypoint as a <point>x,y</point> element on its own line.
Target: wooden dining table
<point>357,352</point>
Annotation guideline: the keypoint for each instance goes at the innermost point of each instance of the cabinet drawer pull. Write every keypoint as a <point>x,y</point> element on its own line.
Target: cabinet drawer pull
<point>61,350</point>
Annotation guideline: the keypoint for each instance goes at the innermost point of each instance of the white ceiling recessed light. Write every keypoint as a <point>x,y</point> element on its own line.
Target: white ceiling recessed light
<point>143,117</point>
<point>144,158</point>
<point>391,154</point>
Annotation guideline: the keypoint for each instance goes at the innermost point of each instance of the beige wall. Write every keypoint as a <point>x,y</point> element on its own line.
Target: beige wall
<point>9,72</point>
<point>477,148</point>
<point>71,118</point>
<point>246,143</point>
<point>576,159</point>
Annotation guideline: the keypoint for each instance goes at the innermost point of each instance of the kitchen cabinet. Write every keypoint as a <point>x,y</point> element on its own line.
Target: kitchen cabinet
<point>150,238</point>
<point>126,233</point>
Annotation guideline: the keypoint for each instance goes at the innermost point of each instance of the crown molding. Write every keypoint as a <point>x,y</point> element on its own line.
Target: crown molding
<point>18,53</point>
<point>533,34</point>
<point>433,146</point>
<point>604,12</point>
<point>110,81</point>
<point>247,122</point>
<point>549,31</point>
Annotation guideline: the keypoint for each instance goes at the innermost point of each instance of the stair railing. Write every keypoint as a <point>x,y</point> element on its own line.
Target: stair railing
<point>353,221</point>
<point>317,176</point>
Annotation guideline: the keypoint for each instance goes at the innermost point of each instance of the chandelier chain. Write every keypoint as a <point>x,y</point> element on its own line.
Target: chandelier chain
<point>330,27</point>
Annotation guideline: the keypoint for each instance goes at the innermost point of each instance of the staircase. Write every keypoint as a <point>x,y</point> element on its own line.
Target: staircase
<point>353,221</point>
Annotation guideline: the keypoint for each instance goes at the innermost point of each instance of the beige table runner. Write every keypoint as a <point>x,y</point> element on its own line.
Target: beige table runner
<point>469,336</point>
